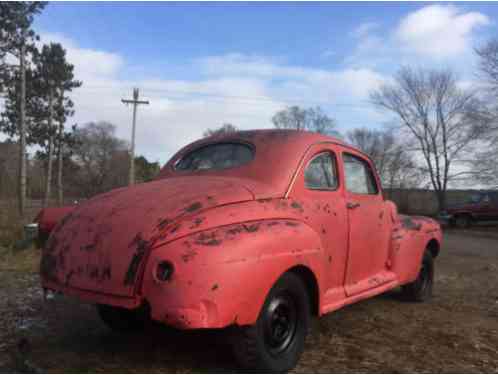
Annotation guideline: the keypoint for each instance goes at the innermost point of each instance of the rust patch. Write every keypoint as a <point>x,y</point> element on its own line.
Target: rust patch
<point>189,255</point>
<point>141,247</point>
<point>206,239</point>
<point>235,230</point>
<point>214,287</point>
<point>264,200</point>
<point>197,222</point>
<point>163,223</point>
<point>175,228</point>
<point>194,207</point>
<point>291,223</point>
<point>251,227</point>
<point>297,206</point>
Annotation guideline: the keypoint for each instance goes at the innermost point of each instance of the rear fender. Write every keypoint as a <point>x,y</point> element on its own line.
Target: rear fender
<point>223,275</point>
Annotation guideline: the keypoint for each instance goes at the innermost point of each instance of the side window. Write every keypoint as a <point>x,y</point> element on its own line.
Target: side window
<point>358,175</point>
<point>321,172</point>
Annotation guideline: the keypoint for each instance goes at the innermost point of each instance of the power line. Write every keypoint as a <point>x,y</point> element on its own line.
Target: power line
<point>135,103</point>
<point>361,104</point>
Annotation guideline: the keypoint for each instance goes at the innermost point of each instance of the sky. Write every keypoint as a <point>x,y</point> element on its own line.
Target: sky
<point>204,64</point>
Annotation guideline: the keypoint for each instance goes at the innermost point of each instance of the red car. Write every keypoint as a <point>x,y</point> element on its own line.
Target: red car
<point>254,230</point>
<point>482,206</point>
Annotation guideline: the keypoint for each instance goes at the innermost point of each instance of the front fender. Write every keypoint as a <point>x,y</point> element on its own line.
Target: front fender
<point>223,275</point>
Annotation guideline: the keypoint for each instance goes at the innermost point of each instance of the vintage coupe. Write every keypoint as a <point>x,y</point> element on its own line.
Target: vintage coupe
<point>253,230</point>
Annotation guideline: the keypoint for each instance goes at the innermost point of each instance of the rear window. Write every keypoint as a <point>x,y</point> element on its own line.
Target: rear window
<point>215,157</point>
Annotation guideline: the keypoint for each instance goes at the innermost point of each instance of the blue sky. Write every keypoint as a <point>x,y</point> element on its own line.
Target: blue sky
<point>203,64</point>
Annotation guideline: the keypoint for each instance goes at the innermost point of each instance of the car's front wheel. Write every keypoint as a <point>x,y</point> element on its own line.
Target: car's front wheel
<point>276,341</point>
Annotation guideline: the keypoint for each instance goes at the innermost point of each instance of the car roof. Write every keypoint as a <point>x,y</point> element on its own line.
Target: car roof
<point>278,155</point>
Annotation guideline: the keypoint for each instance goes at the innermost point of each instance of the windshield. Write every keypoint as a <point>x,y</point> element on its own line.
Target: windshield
<point>215,157</point>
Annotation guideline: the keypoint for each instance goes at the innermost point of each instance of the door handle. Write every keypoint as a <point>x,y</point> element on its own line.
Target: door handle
<point>352,205</point>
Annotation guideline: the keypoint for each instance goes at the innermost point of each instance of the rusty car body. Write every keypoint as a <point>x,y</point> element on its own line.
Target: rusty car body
<point>257,230</point>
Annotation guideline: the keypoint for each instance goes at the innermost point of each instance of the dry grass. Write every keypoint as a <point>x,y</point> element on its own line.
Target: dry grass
<point>11,224</point>
<point>24,261</point>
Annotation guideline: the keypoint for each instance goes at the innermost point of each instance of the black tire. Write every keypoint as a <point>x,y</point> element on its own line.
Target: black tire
<point>276,342</point>
<point>421,289</point>
<point>123,320</point>
<point>463,221</point>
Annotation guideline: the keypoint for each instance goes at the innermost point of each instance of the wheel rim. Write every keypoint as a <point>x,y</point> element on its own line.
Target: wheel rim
<point>280,324</point>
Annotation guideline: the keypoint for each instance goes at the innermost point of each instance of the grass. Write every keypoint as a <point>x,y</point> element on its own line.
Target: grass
<point>25,261</point>
<point>11,224</point>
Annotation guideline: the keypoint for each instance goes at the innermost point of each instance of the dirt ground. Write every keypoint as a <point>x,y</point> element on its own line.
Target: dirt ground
<point>456,332</point>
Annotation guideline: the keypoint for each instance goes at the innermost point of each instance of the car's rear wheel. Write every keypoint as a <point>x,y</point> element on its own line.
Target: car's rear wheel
<point>276,341</point>
<point>123,320</point>
<point>421,289</point>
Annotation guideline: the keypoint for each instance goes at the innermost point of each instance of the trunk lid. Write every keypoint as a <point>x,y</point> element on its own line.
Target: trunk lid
<point>102,245</point>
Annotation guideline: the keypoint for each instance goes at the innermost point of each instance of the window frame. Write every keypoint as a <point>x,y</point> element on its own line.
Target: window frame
<point>250,146</point>
<point>336,166</point>
<point>366,163</point>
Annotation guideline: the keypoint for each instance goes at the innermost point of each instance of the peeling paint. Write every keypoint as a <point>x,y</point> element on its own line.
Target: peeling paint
<point>292,223</point>
<point>194,207</point>
<point>208,239</point>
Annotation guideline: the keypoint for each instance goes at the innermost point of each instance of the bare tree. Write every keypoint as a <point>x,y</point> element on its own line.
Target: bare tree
<point>310,119</point>
<point>101,158</point>
<point>224,129</point>
<point>488,64</point>
<point>485,161</point>
<point>394,164</point>
<point>444,120</point>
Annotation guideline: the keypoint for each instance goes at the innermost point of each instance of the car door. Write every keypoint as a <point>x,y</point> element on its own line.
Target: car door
<point>318,188</point>
<point>369,228</point>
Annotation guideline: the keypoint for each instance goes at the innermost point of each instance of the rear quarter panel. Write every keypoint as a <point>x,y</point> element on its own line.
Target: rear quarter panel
<point>224,272</point>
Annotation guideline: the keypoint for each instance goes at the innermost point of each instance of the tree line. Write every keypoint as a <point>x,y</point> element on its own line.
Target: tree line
<point>442,132</point>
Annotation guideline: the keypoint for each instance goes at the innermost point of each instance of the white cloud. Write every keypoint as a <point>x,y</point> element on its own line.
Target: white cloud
<point>439,31</point>
<point>90,64</point>
<point>245,90</point>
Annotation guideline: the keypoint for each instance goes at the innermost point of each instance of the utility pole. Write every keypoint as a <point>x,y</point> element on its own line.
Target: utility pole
<point>135,103</point>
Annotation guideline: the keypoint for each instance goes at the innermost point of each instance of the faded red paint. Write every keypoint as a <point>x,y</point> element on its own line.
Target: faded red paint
<point>231,234</point>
